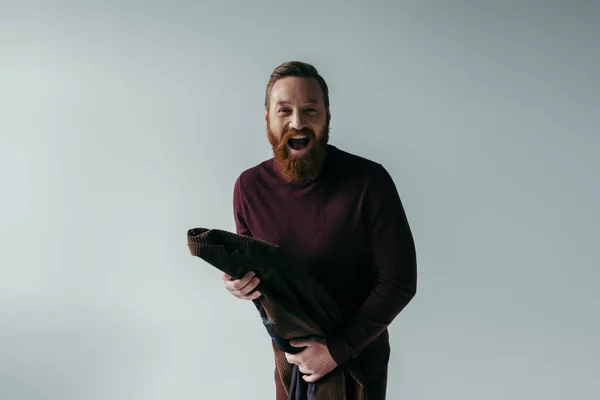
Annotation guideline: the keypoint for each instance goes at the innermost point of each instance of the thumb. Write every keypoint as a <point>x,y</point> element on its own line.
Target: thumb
<point>301,342</point>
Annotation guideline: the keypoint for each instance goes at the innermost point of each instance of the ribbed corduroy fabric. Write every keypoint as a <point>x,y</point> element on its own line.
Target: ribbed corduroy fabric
<point>293,305</point>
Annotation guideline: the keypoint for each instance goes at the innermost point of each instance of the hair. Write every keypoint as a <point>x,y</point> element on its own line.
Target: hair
<point>299,69</point>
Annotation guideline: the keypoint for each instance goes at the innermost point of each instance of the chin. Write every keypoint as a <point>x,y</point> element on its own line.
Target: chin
<point>299,155</point>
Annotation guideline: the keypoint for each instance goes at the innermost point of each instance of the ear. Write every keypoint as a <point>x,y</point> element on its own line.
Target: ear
<point>328,114</point>
<point>266,115</point>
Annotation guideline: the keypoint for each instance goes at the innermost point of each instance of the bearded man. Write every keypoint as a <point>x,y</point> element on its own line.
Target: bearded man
<point>336,215</point>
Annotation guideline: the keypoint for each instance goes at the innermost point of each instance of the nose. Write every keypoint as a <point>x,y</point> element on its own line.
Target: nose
<point>297,121</point>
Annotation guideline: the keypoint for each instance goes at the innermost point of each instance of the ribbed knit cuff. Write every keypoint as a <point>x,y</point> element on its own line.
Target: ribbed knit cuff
<point>195,238</point>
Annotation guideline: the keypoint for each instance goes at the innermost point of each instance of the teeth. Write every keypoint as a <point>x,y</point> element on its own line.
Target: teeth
<point>299,137</point>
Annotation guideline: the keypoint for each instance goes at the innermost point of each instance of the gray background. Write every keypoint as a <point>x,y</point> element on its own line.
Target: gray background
<point>123,124</point>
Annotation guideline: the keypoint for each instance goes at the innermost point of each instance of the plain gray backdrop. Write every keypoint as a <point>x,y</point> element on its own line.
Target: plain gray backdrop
<point>123,124</point>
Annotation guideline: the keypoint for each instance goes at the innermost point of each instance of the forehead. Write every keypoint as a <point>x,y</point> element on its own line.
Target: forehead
<point>294,89</point>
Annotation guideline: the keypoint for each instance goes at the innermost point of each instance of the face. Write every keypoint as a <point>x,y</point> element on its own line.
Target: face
<point>298,127</point>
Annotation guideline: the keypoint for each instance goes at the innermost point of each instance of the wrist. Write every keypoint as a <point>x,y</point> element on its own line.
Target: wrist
<point>338,351</point>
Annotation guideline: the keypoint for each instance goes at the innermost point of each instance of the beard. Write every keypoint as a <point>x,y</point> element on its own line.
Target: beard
<point>299,168</point>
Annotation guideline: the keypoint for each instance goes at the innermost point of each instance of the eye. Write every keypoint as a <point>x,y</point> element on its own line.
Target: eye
<point>310,110</point>
<point>283,110</point>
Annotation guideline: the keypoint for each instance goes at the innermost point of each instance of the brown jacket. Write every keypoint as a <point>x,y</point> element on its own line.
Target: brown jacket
<point>292,305</point>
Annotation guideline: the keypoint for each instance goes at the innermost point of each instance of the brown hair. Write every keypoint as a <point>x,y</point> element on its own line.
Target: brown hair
<point>300,69</point>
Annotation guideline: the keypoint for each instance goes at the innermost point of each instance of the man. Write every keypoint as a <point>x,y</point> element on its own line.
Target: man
<point>336,215</point>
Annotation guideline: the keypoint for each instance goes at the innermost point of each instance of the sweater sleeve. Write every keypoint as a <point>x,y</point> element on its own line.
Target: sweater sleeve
<point>239,209</point>
<point>394,258</point>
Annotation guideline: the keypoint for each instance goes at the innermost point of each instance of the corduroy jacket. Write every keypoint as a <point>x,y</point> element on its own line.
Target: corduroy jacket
<point>292,305</point>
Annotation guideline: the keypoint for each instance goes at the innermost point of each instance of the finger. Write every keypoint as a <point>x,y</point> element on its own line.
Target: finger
<point>250,286</point>
<point>291,359</point>
<point>302,342</point>
<point>311,378</point>
<point>248,279</point>
<point>227,277</point>
<point>252,296</point>
<point>305,371</point>
<point>239,283</point>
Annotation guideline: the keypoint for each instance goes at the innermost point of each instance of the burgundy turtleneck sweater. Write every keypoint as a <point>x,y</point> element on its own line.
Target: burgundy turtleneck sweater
<point>348,229</point>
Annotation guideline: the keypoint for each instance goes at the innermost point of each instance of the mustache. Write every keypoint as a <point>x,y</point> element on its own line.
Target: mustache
<point>290,133</point>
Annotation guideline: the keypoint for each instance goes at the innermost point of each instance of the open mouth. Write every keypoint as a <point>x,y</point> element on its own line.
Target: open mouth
<point>298,142</point>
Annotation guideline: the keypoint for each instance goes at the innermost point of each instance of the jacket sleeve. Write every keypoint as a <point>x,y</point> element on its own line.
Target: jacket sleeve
<point>239,209</point>
<point>394,258</point>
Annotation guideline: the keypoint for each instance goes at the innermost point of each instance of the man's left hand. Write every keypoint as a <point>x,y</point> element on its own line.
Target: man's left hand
<point>315,361</point>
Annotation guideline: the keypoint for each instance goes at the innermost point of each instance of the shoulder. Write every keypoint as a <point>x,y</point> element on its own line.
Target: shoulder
<point>380,197</point>
<point>250,176</point>
<point>368,177</point>
<point>359,167</point>
<point>255,172</point>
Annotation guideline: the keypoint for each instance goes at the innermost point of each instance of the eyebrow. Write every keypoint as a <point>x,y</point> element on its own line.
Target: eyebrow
<point>309,102</point>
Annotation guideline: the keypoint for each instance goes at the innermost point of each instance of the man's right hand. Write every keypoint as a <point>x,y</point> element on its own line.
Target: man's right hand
<point>242,287</point>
